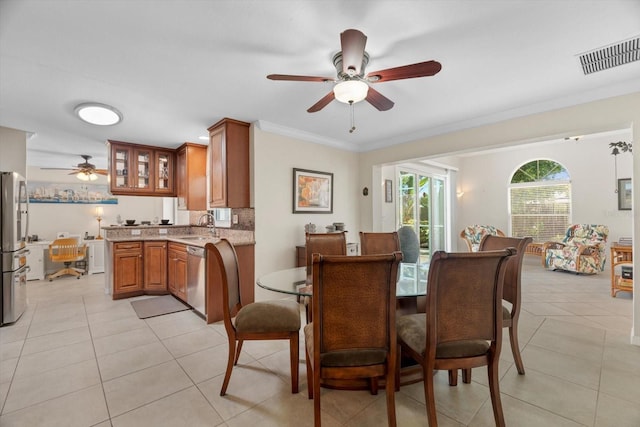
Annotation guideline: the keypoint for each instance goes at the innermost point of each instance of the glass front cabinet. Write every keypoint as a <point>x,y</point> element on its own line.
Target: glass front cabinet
<point>140,170</point>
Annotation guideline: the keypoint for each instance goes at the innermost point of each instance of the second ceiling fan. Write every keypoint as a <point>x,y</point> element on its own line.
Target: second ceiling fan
<point>351,83</point>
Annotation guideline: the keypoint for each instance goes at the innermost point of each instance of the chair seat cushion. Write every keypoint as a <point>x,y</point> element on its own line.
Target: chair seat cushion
<point>344,358</point>
<point>412,330</point>
<point>269,316</point>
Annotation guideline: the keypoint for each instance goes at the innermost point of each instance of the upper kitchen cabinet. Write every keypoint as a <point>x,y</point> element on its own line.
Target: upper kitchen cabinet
<point>140,170</point>
<point>164,173</point>
<point>229,184</point>
<point>191,177</point>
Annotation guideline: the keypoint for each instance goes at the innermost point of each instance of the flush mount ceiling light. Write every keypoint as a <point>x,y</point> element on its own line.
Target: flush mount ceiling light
<point>98,114</point>
<point>351,91</point>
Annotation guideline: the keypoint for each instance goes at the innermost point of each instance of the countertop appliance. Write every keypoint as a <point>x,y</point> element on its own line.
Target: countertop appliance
<point>14,230</point>
<point>196,279</point>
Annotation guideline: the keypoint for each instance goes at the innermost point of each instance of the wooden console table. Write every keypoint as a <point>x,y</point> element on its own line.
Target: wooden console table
<point>620,255</point>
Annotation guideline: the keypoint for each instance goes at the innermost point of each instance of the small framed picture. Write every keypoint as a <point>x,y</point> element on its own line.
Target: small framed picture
<point>388,191</point>
<point>624,194</point>
<point>312,191</point>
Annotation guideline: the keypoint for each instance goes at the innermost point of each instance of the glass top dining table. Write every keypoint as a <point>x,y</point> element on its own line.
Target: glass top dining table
<point>412,281</point>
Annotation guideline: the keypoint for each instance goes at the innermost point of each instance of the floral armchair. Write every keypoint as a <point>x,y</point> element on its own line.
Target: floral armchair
<point>473,234</point>
<point>582,250</point>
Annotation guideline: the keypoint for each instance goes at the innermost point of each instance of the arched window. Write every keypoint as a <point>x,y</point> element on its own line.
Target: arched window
<point>540,200</point>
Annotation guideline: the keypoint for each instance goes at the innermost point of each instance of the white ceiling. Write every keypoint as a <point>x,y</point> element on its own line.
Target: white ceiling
<point>173,68</point>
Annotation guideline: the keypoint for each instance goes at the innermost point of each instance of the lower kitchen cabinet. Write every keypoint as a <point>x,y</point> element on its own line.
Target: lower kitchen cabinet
<point>177,270</point>
<point>155,267</point>
<point>127,269</point>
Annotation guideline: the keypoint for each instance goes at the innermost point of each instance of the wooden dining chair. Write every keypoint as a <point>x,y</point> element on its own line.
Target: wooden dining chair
<point>264,320</point>
<point>511,293</point>
<point>379,243</point>
<point>349,341</point>
<point>462,327</point>
<point>325,244</point>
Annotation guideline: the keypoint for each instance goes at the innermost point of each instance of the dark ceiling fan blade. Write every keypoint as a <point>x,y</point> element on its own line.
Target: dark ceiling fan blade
<point>378,100</point>
<point>353,43</point>
<point>288,77</point>
<point>421,69</point>
<point>322,103</point>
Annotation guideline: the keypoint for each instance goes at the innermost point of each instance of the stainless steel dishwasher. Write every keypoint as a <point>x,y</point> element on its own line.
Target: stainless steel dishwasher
<point>196,279</point>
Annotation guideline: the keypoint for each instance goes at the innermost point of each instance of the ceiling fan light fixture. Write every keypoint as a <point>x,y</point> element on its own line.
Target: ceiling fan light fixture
<point>86,176</point>
<point>98,114</point>
<point>351,91</point>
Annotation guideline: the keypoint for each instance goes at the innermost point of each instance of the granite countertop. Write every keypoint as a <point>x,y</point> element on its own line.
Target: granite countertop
<point>193,236</point>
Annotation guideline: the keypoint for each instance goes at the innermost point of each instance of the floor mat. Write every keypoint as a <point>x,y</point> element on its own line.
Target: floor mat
<point>157,306</point>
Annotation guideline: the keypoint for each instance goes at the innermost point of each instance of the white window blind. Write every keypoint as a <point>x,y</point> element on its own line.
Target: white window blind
<point>541,210</point>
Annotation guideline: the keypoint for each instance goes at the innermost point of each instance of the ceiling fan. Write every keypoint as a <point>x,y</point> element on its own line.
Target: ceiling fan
<point>351,84</point>
<point>85,171</point>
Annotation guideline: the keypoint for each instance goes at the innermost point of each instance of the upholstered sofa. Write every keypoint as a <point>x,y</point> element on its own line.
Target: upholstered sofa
<point>581,251</point>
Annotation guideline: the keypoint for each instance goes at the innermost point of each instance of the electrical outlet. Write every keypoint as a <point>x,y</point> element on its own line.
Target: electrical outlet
<point>162,231</point>
<point>235,219</point>
<point>135,232</point>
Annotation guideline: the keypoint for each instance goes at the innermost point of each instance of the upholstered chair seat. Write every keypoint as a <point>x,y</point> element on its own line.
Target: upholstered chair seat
<point>268,316</point>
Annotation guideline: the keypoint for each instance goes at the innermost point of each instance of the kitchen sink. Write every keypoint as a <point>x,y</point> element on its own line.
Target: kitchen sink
<point>200,238</point>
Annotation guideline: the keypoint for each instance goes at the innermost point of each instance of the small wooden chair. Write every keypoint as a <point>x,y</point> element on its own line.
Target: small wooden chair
<point>67,250</point>
<point>325,244</point>
<point>511,292</point>
<point>264,320</point>
<point>462,327</point>
<point>379,243</point>
<point>348,341</point>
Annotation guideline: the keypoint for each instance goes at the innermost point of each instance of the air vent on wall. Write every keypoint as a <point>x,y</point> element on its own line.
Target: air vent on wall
<point>611,56</point>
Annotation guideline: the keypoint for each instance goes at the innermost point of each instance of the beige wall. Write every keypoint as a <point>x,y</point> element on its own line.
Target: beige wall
<point>278,230</point>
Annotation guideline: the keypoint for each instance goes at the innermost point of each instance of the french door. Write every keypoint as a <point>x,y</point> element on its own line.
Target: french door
<point>423,207</point>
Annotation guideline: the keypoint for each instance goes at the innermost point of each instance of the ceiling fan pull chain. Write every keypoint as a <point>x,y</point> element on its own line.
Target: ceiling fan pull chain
<point>353,121</point>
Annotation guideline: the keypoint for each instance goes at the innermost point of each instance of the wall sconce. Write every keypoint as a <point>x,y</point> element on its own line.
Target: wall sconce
<point>99,212</point>
<point>459,194</point>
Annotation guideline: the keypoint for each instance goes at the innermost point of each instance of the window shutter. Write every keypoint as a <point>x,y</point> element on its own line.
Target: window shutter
<point>541,210</point>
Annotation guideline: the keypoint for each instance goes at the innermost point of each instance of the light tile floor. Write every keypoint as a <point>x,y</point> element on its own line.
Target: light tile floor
<point>77,358</point>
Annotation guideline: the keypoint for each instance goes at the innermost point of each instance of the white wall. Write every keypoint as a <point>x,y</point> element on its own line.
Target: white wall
<point>46,220</point>
<point>485,178</point>
<point>13,151</point>
<point>278,230</point>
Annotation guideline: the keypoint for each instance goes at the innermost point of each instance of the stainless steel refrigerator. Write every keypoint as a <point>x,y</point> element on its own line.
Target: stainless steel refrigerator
<point>14,227</point>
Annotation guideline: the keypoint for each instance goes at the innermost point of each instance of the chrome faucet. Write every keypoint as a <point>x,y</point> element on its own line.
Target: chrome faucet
<point>211,222</point>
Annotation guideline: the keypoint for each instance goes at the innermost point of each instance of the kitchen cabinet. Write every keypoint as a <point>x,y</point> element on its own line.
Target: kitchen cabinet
<point>95,257</point>
<point>36,258</point>
<point>164,173</point>
<point>229,184</point>
<point>155,267</point>
<point>127,269</point>
<point>191,177</point>
<point>177,270</point>
<point>140,170</point>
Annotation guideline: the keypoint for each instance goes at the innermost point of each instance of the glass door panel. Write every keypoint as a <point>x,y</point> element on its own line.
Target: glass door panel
<point>162,181</point>
<point>143,160</point>
<point>423,207</point>
<point>121,160</point>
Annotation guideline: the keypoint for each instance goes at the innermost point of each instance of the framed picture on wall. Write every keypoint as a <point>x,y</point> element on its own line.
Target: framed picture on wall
<point>624,194</point>
<point>312,191</point>
<point>388,191</point>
